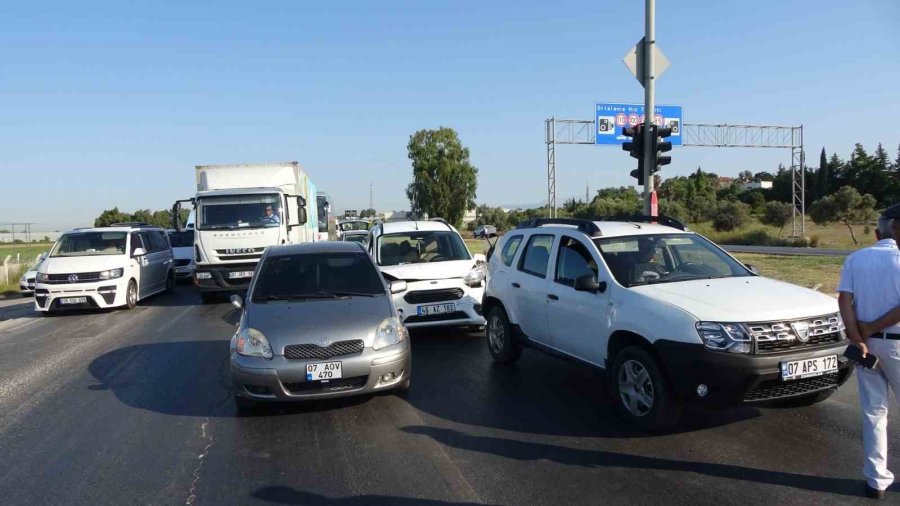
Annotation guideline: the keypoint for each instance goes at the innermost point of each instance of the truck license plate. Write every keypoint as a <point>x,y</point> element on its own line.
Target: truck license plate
<point>323,371</point>
<point>435,309</point>
<point>240,274</point>
<point>809,368</point>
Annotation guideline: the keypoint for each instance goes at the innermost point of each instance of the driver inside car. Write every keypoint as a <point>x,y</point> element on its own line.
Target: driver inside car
<point>646,269</point>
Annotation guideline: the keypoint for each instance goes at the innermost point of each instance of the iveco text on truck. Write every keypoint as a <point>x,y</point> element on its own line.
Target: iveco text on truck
<point>238,211</point>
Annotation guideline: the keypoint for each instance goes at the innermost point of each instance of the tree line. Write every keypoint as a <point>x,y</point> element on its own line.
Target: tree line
<point>159,218</point>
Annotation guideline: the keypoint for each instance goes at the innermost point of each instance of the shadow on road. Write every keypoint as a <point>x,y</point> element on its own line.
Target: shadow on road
<point>601,459</point>
<point>287,495</point>
<point>454,378</point>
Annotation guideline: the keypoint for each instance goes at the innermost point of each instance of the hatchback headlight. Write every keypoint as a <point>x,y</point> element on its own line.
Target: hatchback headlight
<point>112,273</point>
<point>728,337</point>
<point>475,276</point>
<point>252,343</point>
<point>389,332</point>
<point>43,277</point>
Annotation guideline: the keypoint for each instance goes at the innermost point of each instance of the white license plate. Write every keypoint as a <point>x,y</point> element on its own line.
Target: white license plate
<point>323,371</point>
<point>73,300</point>
<point>435,309</point>
<point>240,274</point>
<point>799,369</point>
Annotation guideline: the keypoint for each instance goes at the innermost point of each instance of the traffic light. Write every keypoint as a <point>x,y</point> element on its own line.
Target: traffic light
<point>660,146</point>
<point>635,148</point>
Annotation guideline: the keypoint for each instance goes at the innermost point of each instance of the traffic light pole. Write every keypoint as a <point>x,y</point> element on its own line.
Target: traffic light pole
<point>649,105</point>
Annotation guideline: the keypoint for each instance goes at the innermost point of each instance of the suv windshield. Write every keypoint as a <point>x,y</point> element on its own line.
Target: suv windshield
<point>666,258</point>
<point>318,275</point>
<point>76,244</point>
<point>421,247</point>
<point>183,239</point>
<point>239,211</point>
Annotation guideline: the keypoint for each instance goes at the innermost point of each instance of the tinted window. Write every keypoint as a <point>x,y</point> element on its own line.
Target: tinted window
<point>536,255</point>
<point>316,275</point>
<point>136,242</point>
<point>421,247</point>
<point>76,244</point>
<point>183,239</point>
<point>509,249</point>
<point>574,260</point>
<point>154,241</point>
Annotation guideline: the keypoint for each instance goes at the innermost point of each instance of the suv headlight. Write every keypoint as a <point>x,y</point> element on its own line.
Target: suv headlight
<point>389,332</point>
<point>112,273</point>
<point>252,343</point>
<point>43,277</point>
<point>728,337</point>
<point>475,276</point>
<point>23,279</point>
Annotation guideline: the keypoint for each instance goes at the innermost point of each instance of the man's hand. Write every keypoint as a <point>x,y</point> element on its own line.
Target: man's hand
<point>863,348</point>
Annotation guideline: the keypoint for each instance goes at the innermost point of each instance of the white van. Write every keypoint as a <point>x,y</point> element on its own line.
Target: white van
<point>105,267</point>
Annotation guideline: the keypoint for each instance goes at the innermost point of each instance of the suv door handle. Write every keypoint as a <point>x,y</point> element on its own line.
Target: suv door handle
<point>552,297</point>
<point>516,285</point>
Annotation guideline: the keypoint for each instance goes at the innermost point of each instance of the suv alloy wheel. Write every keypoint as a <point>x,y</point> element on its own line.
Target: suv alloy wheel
<point>640,391</point>
<point>501,342</point>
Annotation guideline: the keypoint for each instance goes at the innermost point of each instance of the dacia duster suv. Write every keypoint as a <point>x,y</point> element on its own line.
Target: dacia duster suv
<point>668,314</point>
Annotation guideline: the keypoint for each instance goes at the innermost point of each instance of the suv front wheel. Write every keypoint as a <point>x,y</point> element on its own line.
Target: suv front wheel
<point>640,391</point>
<point>501,343</point>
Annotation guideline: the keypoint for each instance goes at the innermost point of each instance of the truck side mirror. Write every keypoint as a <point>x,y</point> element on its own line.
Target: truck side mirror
<point>301,215</point>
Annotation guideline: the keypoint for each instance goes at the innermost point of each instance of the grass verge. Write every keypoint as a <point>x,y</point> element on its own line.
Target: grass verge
<point>807,271</point>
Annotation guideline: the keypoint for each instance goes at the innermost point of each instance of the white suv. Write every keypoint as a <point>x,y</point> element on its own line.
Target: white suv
<point>444,283</point>
<point>105,267</point>
<point>669,315</point>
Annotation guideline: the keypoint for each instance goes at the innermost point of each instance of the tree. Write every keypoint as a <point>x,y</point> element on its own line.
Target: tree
<point>845,206</point>
<point>755,199</point>
<point>730,215</point>
<point>110,216</point>
<point>745,176</point>
<point>777,214</point>
<point>822,177</point>
<point>367,213</point>
<point>444,181</point>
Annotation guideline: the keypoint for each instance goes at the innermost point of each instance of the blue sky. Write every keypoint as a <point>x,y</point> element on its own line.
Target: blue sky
<point>105,104</point>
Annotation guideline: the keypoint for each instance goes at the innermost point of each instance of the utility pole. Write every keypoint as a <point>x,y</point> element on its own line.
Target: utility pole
<point>649,105</point>
<point>371,196</point>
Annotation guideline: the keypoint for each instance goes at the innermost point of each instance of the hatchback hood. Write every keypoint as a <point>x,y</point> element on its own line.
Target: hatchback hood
<point>70,265</point>
<point>432,270</point>
<point>308,321</point>
<point>742,299</point>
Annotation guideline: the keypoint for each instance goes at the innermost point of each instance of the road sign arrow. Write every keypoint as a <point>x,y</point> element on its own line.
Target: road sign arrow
<point>634,60</point>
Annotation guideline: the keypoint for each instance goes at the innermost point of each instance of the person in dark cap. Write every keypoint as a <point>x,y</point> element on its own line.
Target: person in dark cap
<point>869,299</point>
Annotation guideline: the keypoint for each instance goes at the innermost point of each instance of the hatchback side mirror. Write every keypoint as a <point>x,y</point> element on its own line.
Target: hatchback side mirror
<point>589,283</point>
<point>236,301</point>
<point>138,252</point>
<point>398,286</point>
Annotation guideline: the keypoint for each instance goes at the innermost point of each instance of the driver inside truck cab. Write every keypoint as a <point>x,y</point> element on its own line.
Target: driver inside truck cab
<point>270,217</point>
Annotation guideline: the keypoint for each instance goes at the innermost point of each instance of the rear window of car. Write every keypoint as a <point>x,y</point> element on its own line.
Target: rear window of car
<point>183,239</point>
<point>297,276</point>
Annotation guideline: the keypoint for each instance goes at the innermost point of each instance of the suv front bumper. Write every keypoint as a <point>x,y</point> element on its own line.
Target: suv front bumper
<point>733,379</point>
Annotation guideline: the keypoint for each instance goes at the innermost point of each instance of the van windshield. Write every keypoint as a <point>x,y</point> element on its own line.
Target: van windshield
<point>76,244</point>
<point>239,211</point>
<point>421,247</point>
<point>666,258</point>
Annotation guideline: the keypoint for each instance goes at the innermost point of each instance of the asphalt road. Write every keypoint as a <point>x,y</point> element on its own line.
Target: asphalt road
<point>133,407</point>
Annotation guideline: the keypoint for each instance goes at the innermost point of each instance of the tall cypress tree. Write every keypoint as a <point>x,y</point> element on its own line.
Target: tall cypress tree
<point>822,176</point>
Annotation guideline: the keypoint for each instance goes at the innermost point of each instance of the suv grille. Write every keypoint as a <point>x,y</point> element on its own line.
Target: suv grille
<point>80,277</point>
<point>302,351</point>
<point>773,337</point>
<point>425,296</point>
<point>776,389</point>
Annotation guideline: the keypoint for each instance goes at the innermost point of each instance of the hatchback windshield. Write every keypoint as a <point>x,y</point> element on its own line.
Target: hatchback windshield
<point>76,244</point>
<point>239,211</point>
<point>318,275</point>
<point>183,239</point>
<point>421,247</point>
<point>667,258</point>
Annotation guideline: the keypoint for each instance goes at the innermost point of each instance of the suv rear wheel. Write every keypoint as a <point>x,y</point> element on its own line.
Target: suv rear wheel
<point>640,391</point>
<point>501,342</point>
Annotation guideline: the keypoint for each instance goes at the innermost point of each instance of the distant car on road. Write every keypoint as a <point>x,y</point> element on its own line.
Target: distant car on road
<point>104,267</point>
<point>183,252</point>
<point>485,231</point>
<point>27,281</point>
<point>670,316</point>
<point>318,322</point>
<point>359,236</point>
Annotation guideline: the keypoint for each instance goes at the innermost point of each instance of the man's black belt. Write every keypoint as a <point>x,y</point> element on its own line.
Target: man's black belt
<point>887,335</point>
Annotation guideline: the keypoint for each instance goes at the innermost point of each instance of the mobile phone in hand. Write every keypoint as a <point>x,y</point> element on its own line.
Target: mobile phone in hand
<point>855,354</point>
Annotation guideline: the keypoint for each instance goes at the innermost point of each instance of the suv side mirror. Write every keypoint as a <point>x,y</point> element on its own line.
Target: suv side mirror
<point>589,283</point>
<point>398,286</point>
<point>301,215</point>
<point>236,301</point>
<point>138,252</point>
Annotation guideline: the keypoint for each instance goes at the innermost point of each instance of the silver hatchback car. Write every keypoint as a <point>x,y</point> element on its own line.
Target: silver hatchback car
<point>318,322</point>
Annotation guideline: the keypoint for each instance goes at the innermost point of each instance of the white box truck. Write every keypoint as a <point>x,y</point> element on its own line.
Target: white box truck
<point>239,210</point>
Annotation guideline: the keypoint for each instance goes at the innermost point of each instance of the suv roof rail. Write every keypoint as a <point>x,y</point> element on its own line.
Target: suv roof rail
<point>440,220</point>
<point>130,224</point>
<point>586,227</point>
<point>642,218</point>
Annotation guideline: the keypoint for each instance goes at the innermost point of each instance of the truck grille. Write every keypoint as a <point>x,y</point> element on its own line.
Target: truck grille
<point>306,351</point>
<point>426,296</point>
<point>775,337</point>
<point>79,277</point>
<point>777,389</point>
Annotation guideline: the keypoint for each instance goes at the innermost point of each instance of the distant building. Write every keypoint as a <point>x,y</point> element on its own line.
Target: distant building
<point>725,182</point>
<point>753,185</point>
<point>470,216</point>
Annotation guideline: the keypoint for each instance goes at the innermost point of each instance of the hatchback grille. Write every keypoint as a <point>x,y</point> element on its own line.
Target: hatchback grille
<point>426,296</point>
<point>773,337</point>
<point>338,385</point>
<point>80,277</point>
<point>776,389</point>
<point>306,351</point>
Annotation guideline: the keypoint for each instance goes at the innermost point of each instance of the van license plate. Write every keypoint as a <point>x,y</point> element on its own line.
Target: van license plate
<point>240,274</point>
<point>323,371</point>
<point>809,368</point>
<point>435,309</point>
<point>73,300</point>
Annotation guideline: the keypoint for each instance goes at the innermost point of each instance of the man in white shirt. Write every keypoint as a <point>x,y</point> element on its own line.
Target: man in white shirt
<point>869,298</point>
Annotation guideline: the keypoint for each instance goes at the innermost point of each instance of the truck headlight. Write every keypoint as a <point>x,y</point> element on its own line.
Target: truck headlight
<point>728,337</point>
<point>43,277</point>
<point>475,276</point>
<point>252,343</point>
<point>112,273</point>
<point>389,332</point>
